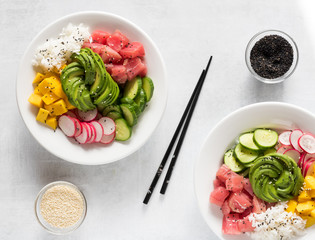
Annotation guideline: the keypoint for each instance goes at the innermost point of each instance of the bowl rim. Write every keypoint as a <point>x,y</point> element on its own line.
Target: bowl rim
<point>222,122</point>
<point>126,21</point>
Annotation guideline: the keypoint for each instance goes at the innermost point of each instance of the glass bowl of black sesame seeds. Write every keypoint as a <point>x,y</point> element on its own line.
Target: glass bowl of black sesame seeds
<point>271,56</point>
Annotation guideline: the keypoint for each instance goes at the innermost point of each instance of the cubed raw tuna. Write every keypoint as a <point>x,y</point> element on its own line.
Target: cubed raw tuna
<point>218,183</point>
<point>109,55</point>
<point>245,225</point>
<point>247,186</point>
<point>119,74</point>
<point>230,224</point>
<point>234,183</point>
<point>99,36</point>
<point>109,67</point>
<point>259,205</point>
<point>218,195</point>
<point>226,208</point>
<point>132,50</point>
<point>224,173</point>
<point>96,47</point>
<point>238,202</point>
<point>117,41</point>
<point>247,211</point>
<point>134,67</point>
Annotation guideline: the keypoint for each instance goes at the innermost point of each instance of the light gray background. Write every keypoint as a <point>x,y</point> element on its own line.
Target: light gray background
<point>187,33</point>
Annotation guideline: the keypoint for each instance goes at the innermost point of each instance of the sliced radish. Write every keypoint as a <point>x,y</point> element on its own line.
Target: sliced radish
<point>78,127</point>
<point>106,139</point>
<point>309,170</point>
<point>284,138</point>
<point>67,125</point>
<point>93,133</point>
<point>99,131</point>
<point>89,131</point>
<point>71,114</point>
<point>307,143</point>
<point>98,116</point>
<point>108,125</point>
<point>294,154</point>
<point>301,161</point>
<point>284,148</point>
<point>88,116</point>
<point>294,137</point>
<point>307,165</point>
<point>82,138</point>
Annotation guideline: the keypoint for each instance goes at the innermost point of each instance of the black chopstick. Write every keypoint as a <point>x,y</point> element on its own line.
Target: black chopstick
<point>179,127</point>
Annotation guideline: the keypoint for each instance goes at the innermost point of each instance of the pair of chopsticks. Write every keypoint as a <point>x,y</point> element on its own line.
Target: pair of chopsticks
<point>184,120</point>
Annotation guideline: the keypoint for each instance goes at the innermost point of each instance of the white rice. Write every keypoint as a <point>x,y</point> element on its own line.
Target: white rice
<point>276,224</point>
<point>54,53</point>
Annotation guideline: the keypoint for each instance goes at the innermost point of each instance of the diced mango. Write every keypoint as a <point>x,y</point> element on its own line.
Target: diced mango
<point>310,221</point>
<point>304,196</point>
<point>42,115</point>
<point>52,122</point>
<point>311,193</point>
<point>38,78</point>
<point>68,104</point>
<point>309,182</point>
<point>36,91</point>
<point>36,100</point>
<point>49,98</point>
<point>305,208</point>
<point>313,213</point>
<point>291,206</point>
<point>57,108</point>
<point>59,91</point>
<point>48,84</point>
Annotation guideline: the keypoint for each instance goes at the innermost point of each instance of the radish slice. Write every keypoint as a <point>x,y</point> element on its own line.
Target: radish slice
<point>67,125</point>
<point>307,143</point>
<point>284,148</point>
<point>301,161</point>
<point>82,138</point>
<point>106,139</point>
<point>294,137</point>
<point>284,138</point>
<point>71,114</point>
<point>98,116</point>
<point>89,131</point>
<point>88,116</point>
<point>93,133</point>
<point>307,166</point>
<point>309,170</point>
<point>98,130</point>
<point>294,154</point>
<point>78,127</point>
<point>108,125</point>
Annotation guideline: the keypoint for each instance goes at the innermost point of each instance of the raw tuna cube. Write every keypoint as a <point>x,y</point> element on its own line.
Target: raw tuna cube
<point>238,202</point>
<point>218,183</point>
<point>247,186</point>
<point>225,208</point>
<point>132,50</point>
<point>259,205</point>
<point>234,183</point>
<point>96,47</point>
<point>109,55</point>
<point>134,67</point>
<point>117,41</point>
<point>246,212</point>
<point>230,224</point>
<point>224,173</point>
<point>109,67</point>
<point>245,225</point>
<point>119,74</point>
<point>99,36</point>
<point>144,71</point>
<point>218,195</point>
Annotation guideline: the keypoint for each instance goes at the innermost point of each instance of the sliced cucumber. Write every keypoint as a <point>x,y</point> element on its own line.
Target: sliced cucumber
<point>232,163</point>
<point>140,99</point>
<point>148,87</point>
<point>129,114</point>
<point>131,102</point>
<point>244,155</point>
<point>114,115</point>
<point>123,131</point>
<point>111,108</point>
<point>265,138</point>
<point>133,87</point>
<point>247,141</point>
<point>270,150</point>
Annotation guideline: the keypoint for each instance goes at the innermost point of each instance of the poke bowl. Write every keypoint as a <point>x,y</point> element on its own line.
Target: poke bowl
<point>282,119</point>
<point>75,114</point>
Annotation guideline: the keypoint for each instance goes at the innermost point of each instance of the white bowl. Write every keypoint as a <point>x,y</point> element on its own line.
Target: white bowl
<point>92,154</point>
<point>222,137</point>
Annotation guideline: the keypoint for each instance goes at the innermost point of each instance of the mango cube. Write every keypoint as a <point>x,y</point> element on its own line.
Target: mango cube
<point>304,196</point>
<point>291,206</point>
<point>36,100</point>
<point>49,98</point>
<point>42,115</point>
<point>52,122</point>
<point>38,78</point>
<point>305,208</point>
<point>310,221</point>
<point>48,84</point>
<point>311,193</point>
<point>36,91</point>
<point>309,182</point>
<point>68,104</point>
<point>57,108</point>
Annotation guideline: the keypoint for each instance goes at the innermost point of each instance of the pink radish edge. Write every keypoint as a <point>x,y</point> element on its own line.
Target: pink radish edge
<point>284,137</point>
<point>294,137</point>
<point>67,125</point>
<point>307,143</point>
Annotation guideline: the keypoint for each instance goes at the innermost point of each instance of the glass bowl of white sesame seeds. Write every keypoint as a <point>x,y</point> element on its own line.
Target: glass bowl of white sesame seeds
<point>60,207</point>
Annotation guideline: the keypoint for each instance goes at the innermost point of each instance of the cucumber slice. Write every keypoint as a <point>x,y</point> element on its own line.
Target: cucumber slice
<point>148,87</point>
<point>231,162</point>
<point>123,131</point>
<point>244,155</point>
<point>265,138</point>
<point>131,102</point>
<point>270,150</point>
<point>133,87</point>
<point>247,141</point>
<point>111,108</point>
<point>140,100</point>
<point>114,115</point>
<point>129,114</point>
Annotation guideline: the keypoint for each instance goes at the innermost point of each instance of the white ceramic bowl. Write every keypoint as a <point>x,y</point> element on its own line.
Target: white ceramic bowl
<point>222,137</point>
<point>92,154</point>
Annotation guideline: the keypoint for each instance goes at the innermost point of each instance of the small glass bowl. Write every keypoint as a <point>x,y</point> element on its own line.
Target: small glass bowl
<point>44,223</point>
<point>259,36</point>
